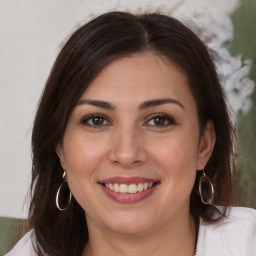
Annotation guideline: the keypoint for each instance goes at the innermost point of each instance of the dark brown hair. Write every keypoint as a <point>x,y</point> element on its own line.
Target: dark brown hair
<point>86,53</point>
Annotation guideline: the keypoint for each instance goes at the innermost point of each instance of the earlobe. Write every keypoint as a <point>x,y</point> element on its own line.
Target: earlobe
<point>206,145</point>
<point>60,153</point>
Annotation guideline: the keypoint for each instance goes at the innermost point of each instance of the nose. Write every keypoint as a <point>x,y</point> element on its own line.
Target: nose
<point>127,149</point>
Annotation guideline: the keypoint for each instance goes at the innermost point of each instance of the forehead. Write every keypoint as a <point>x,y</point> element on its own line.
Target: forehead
<point>139,77</point>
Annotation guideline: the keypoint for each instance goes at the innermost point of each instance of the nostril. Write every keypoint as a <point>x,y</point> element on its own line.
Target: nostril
<point>127,152</point>
<point>126,161</point>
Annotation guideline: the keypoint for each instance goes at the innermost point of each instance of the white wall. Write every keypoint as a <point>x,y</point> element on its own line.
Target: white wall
<point>30,35</point>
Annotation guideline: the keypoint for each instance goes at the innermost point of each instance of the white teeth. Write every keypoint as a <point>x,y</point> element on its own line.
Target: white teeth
<point>140,187</point>
<point>131,189</point>
<point>116,187</point>
<point>123,188</point>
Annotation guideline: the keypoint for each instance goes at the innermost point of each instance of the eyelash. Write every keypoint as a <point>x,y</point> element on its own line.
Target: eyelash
<point>170,120</point>
<point>166,118</point>
<point>85,121</point>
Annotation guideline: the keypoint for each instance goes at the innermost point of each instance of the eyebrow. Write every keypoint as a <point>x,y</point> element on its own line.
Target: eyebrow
<point>97,103</point>
<point>144,105</point>
<point>157,102</point>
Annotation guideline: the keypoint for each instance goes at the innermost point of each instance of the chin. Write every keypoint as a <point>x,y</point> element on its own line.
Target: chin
<point>127,224</point>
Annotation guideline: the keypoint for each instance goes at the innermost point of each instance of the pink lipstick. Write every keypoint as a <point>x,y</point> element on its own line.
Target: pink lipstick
<point>128,189</point>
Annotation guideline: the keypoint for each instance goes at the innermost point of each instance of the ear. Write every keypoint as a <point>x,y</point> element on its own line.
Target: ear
<point>60,152</point>
<point>206,145</point>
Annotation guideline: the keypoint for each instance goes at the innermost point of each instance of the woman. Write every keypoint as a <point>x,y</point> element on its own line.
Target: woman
<point>133,147</point>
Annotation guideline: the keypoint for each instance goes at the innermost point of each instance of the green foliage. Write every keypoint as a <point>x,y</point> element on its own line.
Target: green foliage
<point>244,42</point>
<point>11,230</point>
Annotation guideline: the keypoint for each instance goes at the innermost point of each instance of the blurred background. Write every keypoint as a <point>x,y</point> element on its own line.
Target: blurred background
<point>31,34</point>
<point>244,43</point>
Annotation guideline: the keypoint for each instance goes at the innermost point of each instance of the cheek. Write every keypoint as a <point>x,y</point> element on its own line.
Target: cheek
<point>82,154</point>
<point>178,151</point>
<point>177,157</point>
<point>82,157</point>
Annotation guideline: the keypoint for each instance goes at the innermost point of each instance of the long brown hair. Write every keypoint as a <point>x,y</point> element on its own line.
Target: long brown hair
<point>86,53</point>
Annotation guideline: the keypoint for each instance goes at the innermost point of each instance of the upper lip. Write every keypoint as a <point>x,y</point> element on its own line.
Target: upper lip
<point>127,180</point>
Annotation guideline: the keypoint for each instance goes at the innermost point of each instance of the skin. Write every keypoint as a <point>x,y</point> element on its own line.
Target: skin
<point>130,141</point>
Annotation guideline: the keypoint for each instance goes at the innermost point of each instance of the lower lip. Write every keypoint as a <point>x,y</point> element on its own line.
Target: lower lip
<point>127,197</point>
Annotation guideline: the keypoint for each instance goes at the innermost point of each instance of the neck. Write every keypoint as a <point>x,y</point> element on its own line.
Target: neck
<point>177,238</point>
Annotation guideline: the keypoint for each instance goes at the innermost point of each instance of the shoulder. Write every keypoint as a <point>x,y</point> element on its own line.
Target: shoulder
<point>234,235</point>
<point>24,246</point>
<point>241,213</point>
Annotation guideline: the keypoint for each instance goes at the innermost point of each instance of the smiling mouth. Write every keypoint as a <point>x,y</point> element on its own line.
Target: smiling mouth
<point>128,190</point>
<point>131,188</point>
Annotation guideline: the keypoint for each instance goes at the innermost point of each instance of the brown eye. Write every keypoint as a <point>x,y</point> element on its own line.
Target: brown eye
<point>161,120</point>
<point>95,121</point>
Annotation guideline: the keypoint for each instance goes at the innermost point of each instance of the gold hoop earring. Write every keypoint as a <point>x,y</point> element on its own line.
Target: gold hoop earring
<point>58,193</point>
<point>205,180</point>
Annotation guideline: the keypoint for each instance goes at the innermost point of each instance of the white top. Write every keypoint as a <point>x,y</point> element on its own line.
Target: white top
<point>233,236</point>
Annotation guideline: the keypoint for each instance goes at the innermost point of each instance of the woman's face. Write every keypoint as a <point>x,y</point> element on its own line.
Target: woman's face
<point>131,147</point>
